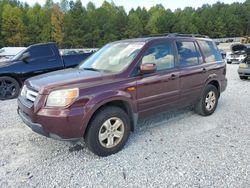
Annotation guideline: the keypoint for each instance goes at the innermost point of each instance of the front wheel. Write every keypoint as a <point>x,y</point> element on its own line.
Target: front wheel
<point>108,131</point>
<point>208,102</point>
<point>9,88</point>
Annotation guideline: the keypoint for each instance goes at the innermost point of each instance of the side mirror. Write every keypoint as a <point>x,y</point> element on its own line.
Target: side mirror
<point>148,68</point>
<point>25,57</point>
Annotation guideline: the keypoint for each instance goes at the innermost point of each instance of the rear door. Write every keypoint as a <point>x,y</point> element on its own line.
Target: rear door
<point>160,90</point>
<point>43,59</point>
<point>213,62</point>
<point>192,71</point>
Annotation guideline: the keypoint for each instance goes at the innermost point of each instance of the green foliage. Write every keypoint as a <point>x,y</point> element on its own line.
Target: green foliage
<point>57,24</point>
<point>70,24</point>
<point>12,25</point>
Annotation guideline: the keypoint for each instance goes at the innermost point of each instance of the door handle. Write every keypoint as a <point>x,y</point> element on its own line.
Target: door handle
<point>174,76</point>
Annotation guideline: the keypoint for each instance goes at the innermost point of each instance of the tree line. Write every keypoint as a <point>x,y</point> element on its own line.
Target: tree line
<point>72,25</point>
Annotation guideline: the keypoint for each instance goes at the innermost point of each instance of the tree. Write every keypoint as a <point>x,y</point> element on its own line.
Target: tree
<point>57,23</point>
<point>134,27</point>
<point>75,25</point>
<point>12,26</point>
<point>64,5</point>
<point>34,28</point>
<point>45,15</point>
<point>185,21</point>
<point>71,24</point>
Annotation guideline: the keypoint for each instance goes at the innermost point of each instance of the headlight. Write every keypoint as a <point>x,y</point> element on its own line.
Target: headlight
<point>62,98</point>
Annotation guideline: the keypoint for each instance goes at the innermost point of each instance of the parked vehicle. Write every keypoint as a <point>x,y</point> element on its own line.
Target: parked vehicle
<point>244,67</point>
<point>229,40</point>
<point>9,52</point>
<point>103,97</point>
<point>237,53</point>
<point>36,59</point>
<point>77,51</point>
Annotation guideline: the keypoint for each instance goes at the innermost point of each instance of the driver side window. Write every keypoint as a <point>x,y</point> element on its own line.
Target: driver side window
<point>162,55</point>
<point>41,51</point>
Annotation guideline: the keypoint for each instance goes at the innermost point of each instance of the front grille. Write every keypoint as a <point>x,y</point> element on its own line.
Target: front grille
<point>235,56</point>
<point>29,94</point>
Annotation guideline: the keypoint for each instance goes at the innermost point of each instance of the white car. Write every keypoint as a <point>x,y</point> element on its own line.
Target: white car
<point>234,58</point>
<point>237,54</point>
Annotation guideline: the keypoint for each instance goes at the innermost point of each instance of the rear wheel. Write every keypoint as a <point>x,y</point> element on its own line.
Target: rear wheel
<point>9,88</point>
<point>108,131</point>
<point>208,102</point>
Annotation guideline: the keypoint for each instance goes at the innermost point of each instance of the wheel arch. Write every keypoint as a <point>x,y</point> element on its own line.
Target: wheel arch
<point>216,84</point>
<point>122,103</point>
<point>213,79</point>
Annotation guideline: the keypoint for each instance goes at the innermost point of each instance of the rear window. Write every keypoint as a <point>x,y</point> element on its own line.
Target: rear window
<point>210,51</point>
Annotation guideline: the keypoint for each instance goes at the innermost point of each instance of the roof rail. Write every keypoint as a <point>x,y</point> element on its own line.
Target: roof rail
<point>187,35</point>
<point>177,35</point>
<point>158,35</point>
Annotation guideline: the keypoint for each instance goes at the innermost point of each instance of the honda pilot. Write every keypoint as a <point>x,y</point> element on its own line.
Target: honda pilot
<point>102,98</point>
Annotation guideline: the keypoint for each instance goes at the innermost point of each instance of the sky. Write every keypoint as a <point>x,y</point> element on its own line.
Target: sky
<point>128,4</point>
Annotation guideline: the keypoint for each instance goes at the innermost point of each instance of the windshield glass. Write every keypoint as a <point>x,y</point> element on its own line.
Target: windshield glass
<point>18,55</point>
<point>114,57</point>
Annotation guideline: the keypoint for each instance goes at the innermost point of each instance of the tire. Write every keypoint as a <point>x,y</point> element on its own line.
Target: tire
<point>205,108</point>
<point>99,134</point>
<point>243,77</point>
<point>9,88</point>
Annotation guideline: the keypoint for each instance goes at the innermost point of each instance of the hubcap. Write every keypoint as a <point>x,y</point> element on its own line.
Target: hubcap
<point>210,101</point>
<point>111,132</point>
<point>7,89</point>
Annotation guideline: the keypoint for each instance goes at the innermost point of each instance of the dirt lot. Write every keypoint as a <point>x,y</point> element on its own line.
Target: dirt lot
<point>177,149</point>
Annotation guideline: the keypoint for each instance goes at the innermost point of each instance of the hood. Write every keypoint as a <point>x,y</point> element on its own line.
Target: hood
<point>238,48</point>
<point>63,78</point>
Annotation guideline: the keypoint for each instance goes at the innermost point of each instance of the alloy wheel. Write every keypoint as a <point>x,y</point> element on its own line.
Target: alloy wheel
<point>210,101</point>
<point>111,132</point>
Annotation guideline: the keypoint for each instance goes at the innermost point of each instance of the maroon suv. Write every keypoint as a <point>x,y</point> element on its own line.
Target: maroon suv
<point>103,97</point>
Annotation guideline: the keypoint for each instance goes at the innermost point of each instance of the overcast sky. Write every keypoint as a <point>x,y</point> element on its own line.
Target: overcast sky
<point>128,4</point>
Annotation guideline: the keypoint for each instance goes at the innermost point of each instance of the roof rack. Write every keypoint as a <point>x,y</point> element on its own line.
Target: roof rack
<point>187,35</point>
<point>177,35</point>
<point>158,35</point>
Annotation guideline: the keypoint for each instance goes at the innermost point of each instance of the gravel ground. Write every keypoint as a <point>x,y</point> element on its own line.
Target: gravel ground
<point>177,149</point>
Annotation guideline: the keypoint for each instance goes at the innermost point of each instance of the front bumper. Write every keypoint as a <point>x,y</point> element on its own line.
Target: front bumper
<point>235,60</point>
<point>37,128</point>
<point>244,72</point>
<point>34,126</point>
<point>60,124</point>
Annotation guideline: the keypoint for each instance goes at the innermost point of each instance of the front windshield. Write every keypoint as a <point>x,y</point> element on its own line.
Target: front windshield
<point>114,57</point>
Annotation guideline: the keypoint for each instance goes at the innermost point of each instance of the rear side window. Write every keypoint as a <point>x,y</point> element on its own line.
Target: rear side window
<point>188,53</point>
<point>41,51</point>
<point>210,51</point>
